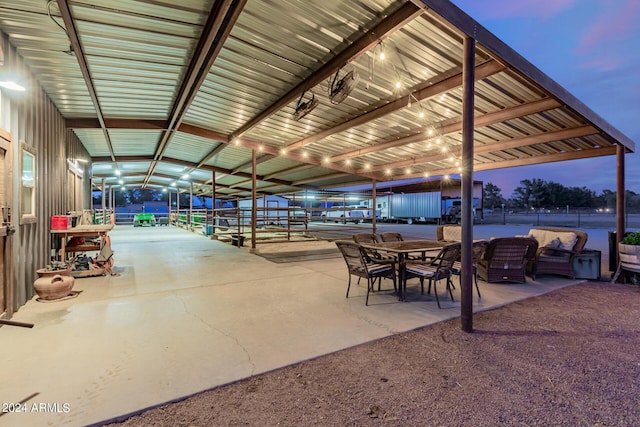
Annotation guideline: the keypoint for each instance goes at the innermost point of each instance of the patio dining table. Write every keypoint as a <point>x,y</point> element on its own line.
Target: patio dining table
<point>401,250</point>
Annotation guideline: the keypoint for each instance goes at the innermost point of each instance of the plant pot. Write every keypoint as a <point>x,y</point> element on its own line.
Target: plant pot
<point>43,272</point>
<point>54,287</point>
<point>629,256</point>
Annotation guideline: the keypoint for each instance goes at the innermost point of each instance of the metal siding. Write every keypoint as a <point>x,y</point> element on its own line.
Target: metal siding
<point>415,205</point>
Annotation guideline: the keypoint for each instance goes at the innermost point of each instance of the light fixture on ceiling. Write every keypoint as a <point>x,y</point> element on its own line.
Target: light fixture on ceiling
<point>11,85</point>
<point>304,107</point>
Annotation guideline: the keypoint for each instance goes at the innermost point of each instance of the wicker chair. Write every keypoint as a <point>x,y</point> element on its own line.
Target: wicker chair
<point>359,264</point>
<point>437,269</point>
<point>505,259</point>
<point>555,260</point>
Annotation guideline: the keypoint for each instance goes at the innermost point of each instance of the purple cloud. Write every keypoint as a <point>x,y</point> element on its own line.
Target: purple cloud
<point>612,25</point>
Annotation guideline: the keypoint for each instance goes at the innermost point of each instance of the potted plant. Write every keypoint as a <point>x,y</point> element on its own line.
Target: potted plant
<point>629,250</point>
<point>55,267</point>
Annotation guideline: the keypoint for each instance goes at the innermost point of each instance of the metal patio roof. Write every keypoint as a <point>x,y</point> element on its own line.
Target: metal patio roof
<point>157,89</point>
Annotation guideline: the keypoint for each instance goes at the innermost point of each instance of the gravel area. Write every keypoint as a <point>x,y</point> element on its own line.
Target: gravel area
<point>567,358</point>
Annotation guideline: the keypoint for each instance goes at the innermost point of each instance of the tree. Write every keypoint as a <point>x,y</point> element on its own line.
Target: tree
<point>493,196</point>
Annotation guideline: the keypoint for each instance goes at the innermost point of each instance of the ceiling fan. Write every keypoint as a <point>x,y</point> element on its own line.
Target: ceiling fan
<point>304,107</point>
<point>341,88</point>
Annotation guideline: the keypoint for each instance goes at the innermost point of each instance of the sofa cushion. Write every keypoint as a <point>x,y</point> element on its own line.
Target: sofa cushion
<point>541,236</point>
<point>567,239</point>
<point>452,233</point>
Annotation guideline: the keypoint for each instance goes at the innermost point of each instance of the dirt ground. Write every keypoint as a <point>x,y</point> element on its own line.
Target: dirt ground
<point>567,358</point>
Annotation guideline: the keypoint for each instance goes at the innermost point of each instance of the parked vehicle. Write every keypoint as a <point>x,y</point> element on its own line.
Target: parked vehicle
<point>144,220</point>
<point>348,214</point>
<point>420,207</point>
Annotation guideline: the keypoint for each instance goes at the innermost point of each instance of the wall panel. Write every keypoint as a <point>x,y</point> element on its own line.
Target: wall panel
<point>32,118</point>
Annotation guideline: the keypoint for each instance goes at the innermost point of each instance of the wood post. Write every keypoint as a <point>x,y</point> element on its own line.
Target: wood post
<point>466,274</point>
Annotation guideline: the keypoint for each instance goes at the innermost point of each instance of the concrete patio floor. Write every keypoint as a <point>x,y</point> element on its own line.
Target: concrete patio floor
<point>186,314</point>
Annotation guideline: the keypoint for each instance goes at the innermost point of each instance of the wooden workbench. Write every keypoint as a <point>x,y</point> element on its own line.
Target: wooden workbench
<point>93,230</point>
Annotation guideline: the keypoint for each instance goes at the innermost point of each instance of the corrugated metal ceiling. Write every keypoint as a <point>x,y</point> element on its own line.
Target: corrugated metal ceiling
<point>197,85</point>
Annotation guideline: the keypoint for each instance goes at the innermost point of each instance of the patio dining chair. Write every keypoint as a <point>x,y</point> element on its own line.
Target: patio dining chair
<point>359,264</point>
<point>370,238</point>
<point>436,269</point>
<point>394,236</point>
<point>478,249</point>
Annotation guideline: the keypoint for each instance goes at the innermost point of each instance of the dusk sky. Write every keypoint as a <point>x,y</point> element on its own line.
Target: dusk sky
<point>590,47</point>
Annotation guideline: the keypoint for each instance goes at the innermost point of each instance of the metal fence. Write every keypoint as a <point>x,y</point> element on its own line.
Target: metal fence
<point>577,218</point>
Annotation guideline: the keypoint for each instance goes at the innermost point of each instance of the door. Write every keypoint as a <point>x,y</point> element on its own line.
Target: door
<point>5,239</point>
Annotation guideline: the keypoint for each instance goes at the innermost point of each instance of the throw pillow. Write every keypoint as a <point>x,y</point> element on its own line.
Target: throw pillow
<point>554,244</point>
<point>567,240</point>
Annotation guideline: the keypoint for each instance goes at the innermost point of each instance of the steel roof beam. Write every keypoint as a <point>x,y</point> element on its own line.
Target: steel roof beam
<point>416,94</point>
<point>263,158</point>
<point>558,157</point>
<point>498,146</point>
<point>192,165</point>
<point>480,121</point>
<point>72,33</point>
<point>294,169</point>
<point>222,17</point>
<point>403,15</point>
